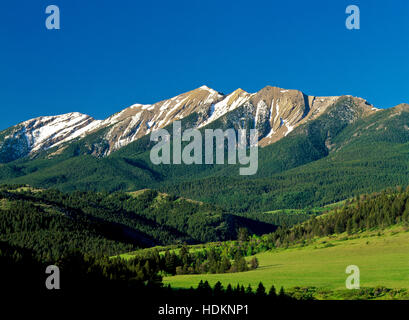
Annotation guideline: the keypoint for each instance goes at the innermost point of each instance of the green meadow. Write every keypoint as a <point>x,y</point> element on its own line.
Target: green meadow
<point>382,257</point>
<point>162,250</point>
<point>317,210</point>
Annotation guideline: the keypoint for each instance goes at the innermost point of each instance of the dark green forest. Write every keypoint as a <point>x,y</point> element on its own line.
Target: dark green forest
<point>53,223</point>
<point>374,211</point>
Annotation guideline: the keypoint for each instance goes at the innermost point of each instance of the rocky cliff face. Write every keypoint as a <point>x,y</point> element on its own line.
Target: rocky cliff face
<point>275,112</point>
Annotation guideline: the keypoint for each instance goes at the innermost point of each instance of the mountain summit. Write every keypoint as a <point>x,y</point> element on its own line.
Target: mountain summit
<point>274,111</point>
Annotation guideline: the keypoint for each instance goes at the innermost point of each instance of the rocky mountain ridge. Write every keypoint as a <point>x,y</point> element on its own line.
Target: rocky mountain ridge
<point>274,111</point>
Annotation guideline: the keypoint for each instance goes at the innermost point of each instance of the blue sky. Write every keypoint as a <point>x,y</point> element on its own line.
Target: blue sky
<point>111,54</point>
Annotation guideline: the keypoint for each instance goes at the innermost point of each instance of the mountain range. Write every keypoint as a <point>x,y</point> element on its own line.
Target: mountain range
<point>274,111</point>
<point>314,150</point>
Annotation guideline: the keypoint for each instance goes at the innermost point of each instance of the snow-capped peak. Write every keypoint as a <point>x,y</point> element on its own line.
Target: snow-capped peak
<point>45,132</point>
<point>274,111</point>
<point>227,104</point>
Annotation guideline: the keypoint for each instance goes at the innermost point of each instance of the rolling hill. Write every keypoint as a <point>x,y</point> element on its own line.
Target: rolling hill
<point>53,223</point>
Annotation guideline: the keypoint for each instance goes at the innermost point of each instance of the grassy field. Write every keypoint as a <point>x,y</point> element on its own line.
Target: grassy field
<point>162,250</point>
<point>317,210</point>
<point>383,259</point>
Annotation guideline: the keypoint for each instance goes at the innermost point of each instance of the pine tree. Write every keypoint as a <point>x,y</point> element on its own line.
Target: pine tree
<point>229,290</point>
<point>254,263</point>
<point>349,227</point>
<point>261,291</point>
<point>207,289</point>
<point>272,293</point>
<point>225,265</point>
<point>249,290</point>
<point>184,254</point>
<point>218,289</point>
<point>281,294</point>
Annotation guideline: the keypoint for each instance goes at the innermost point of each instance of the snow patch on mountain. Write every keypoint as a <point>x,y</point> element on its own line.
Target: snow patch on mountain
<point>47,132</point>
<point>288,126</point>
<point>229,103</point>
